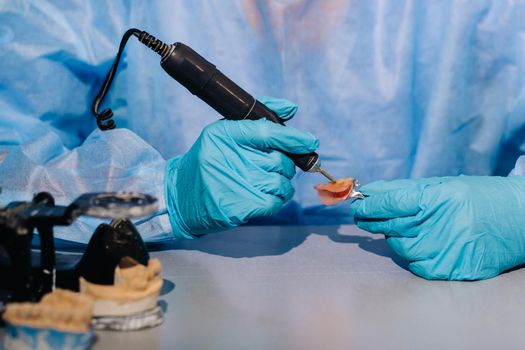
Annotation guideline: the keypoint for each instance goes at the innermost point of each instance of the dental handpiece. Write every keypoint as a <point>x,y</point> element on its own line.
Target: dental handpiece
<point>205,81</point>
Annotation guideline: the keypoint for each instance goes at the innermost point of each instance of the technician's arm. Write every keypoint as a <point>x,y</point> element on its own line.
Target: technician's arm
<point>457,228</point>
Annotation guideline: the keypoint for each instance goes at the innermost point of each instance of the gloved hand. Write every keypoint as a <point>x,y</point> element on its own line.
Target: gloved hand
<point>457,228</point>
<point>234,172</point>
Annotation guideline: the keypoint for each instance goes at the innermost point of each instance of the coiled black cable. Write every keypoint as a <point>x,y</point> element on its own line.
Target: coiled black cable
<point>155,44</point>
<point>104,120</point>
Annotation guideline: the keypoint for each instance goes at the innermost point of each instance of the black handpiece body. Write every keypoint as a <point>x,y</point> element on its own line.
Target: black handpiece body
<point>205,81</point>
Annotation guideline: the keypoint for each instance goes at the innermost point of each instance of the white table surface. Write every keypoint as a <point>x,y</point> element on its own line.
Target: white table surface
<point>319,287</point>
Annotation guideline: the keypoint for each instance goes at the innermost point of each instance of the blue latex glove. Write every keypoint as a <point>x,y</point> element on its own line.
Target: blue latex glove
<point>458,228</point>
<point>234,172</point>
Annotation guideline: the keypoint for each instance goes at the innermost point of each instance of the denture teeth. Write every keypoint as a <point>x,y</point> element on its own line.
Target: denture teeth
<point>50,315</point>
<point>24,310</point>
<point>60,309</point>
<point>155,266</point>
<point>59,314</point>
<point>67,317</point>
<point>34,311</point>
<point>139,276</point>
<point>46,310</point>
<point>12,310</point>
<point>138,282</point>
<point>77,317</point>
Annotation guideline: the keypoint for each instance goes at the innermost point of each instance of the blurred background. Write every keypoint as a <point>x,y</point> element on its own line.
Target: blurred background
<point>393,89</point>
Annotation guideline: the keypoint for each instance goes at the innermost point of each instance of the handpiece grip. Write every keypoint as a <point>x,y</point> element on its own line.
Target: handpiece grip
<point>305,162</point>
<point>205,81</point>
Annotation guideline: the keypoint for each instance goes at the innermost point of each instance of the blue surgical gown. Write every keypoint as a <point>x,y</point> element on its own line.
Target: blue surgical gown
<point>393,89</point>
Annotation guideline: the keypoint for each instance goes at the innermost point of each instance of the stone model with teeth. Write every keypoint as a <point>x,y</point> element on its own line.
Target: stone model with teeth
<point>132,297</point>
<point>61,317</point>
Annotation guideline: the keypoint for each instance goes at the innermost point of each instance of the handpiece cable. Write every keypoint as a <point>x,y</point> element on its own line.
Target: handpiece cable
<point>104,120</point>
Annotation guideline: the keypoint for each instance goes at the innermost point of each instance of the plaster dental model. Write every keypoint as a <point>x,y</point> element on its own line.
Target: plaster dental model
<point>61,320</point>
<point>131,302</point>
